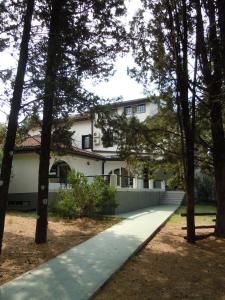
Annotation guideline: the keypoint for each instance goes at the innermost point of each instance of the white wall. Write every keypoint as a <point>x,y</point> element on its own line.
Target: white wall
<point>25,170</point>
<point>24,177</point>
<point>82,127</point>
<point>88,166</point>
<point>151,110</point>
<point>112,165</point>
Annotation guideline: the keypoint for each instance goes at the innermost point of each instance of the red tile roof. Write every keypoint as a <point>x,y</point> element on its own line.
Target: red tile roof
<point>31,141</point>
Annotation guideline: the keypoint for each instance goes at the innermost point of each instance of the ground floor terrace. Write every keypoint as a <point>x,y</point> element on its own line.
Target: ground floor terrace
<point>24,179</point>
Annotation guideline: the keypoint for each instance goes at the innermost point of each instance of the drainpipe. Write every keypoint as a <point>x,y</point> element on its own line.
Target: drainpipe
<point>103,167</point>
<point>92,132</point>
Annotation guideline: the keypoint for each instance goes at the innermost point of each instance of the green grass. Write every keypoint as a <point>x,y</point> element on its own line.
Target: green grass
<point>176,217</point>
<point>32,214</point>
<point>28,214</point>
<point>57,218</point>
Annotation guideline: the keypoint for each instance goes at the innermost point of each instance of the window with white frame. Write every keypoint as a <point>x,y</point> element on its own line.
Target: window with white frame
<point>140,108</point>
<point>136,109</point>
<point>128,110</point>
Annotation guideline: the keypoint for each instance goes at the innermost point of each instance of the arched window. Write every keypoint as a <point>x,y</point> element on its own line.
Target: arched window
<point>59,172</point>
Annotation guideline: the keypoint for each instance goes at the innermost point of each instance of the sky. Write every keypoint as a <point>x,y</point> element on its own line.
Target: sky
<point>120,85</point>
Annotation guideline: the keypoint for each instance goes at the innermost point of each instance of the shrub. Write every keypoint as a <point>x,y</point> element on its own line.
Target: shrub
<point>84,199</point>
<point>104,196</point>
<point>64,204</point>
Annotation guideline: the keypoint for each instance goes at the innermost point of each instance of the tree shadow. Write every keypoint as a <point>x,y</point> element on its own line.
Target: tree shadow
<point>77,273</point>
<point>20,253</point>
<point>170,268</point>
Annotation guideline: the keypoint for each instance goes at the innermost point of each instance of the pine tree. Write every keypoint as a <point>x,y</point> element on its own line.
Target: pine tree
<point>13,117</point>
<point>212,64</point>
<point>162,49</point>
<point>51,71</point>
<point>83,41</point>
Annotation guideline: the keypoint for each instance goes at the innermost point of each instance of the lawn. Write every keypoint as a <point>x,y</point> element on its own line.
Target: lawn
<point>170,268</point>
<point>199,219</point>
<point>20,253</point>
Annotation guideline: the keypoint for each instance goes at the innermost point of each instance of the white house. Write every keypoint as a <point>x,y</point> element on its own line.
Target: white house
<point>88,156</point>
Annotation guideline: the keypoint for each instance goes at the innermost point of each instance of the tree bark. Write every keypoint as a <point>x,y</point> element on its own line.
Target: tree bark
<point>50,81</point>
<point>13,117</point>
<point>180,53</point>
<point>221,22</point>
<point>212,74</point>
<point>220,149</point>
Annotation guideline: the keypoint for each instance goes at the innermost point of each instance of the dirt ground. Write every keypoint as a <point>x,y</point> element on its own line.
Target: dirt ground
<point>169,268</point>
<point>20,253</point>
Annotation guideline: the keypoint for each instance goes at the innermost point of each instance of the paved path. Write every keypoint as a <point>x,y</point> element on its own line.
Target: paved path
<point>78,273</point>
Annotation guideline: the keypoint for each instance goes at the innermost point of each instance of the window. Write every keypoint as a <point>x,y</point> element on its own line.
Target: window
<point>141,108</point>
<point>87,141</point>
<point>107,138</point>
<point>136,109</point>
<point>157,184</point>
<point>59,173</point>
<point>128,110</point>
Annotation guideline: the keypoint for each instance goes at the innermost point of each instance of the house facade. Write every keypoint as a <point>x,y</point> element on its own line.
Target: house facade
<point>87,155</point>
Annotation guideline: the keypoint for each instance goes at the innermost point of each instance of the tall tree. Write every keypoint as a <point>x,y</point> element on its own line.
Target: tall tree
<point>221,22</point>
<point>13,117</point>
<point>211,54</point>
<point>81,38</point>
<point>163,48</point>
<point>49,93</point>
<point>180,56</point>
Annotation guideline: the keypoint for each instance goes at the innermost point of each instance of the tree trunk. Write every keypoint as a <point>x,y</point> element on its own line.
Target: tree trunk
<point>212,74</point>
<point>219,166</point>
<point>221,22</point>
<point>218,133</point>
<point>13,117</point>
<point>50,81</point>
<point>190,192</point>
<point>180,53</point>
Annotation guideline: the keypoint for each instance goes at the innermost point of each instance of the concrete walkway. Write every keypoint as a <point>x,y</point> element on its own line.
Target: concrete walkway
<point>78,273</point>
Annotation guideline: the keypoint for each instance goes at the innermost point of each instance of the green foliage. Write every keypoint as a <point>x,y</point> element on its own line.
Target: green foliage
<point>2,137</point>
<point>104,196</point>
<point>84,202</point>
<point>2,134</point>
<point>64,204</point>
<point>84,199</point>
<point>157,138</point>
<point>1,155</point>
<point>205,186</point>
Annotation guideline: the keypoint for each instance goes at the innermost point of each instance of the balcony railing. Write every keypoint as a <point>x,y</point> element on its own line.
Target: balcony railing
<point>118,181</point>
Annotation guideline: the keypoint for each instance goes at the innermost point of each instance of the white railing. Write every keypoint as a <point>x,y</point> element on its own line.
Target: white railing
<point>117,181</point>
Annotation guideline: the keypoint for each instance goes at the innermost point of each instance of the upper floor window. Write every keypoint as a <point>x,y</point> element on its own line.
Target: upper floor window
<point>136,109</point>
<point>87,141</point>
<point>140,108</point>
<point>128,110</point>
<point>107,138</point>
